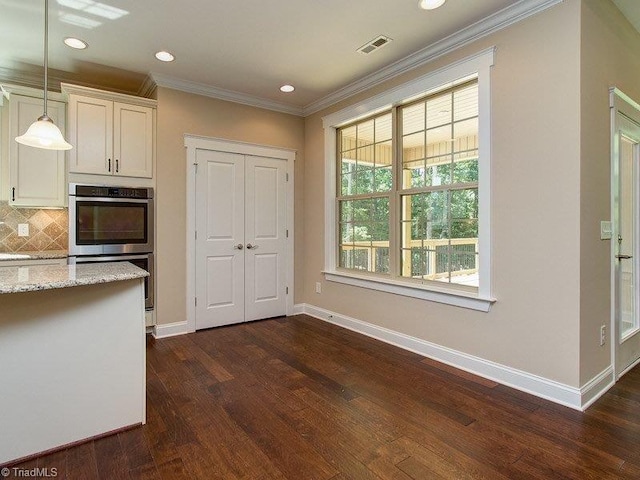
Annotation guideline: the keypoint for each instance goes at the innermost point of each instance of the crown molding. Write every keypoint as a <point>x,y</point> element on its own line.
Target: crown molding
<point>499,20</point>
<point>56,79</point>
<point>28,79</point>
<point>8,89</point>
<point>148,87</point>
<point>70,89</point>
<point>223,94</point>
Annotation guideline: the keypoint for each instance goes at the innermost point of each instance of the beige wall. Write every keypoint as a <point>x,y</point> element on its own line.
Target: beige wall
<point>550,186</point>
<point>180,113</point>
<point>534,326</point>
<point>610,56</point>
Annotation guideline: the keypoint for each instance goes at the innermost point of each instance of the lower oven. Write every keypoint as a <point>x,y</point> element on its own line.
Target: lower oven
<point>144,261</point>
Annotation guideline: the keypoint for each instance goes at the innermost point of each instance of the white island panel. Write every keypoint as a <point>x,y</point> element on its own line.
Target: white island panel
<point>72,365</point>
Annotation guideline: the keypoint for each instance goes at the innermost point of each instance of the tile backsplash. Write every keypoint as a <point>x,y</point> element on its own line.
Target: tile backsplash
<point>48,229</point>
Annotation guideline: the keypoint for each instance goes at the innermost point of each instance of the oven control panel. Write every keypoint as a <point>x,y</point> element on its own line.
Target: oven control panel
<point>110,192</point>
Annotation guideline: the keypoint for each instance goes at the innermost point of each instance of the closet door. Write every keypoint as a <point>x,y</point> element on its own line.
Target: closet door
<point>219,239</point>
<point>240,238</point>
<point>265,238</point>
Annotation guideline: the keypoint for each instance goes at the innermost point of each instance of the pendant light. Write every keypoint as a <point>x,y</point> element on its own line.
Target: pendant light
<point>43,133</point>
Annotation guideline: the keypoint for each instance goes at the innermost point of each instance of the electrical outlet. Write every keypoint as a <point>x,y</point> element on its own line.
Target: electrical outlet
<point>318,287</point>
<point>603,334</point>
<point>23,229</point>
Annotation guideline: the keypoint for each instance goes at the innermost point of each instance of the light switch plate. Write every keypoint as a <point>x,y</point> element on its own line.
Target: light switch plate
<point>605,230</point>
<point>23,229</point>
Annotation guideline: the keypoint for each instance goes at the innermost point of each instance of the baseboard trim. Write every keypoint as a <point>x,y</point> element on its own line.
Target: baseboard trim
<point>629,368</point>
<point>572,397</point>
<point>596,387</point>
<point>170,329</point>
<point>28,458</point>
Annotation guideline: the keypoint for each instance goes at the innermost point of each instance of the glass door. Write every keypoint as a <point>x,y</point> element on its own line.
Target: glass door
<point>626,252</point>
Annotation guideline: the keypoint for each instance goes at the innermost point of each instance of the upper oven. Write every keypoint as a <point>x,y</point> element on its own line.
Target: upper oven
<point>106,220</point>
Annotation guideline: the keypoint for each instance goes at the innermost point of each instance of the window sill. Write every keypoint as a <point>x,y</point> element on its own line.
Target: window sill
<point>447,296</point>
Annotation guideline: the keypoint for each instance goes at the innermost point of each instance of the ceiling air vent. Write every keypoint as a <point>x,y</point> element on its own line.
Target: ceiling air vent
<point>375,44</point>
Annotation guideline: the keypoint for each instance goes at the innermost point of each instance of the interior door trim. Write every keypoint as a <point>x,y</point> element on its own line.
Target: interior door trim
<point>620,104</point>
<point>193,143</point>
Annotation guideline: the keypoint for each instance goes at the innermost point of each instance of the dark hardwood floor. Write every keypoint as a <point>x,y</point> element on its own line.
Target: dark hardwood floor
<point>296,398</point>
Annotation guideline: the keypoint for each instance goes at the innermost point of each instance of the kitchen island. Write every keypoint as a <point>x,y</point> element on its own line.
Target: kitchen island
<point>72,354</point>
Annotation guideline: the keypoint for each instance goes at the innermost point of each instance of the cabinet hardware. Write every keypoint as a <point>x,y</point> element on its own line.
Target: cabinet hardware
<point>109,160</point>
<point>239,246</point>
<point>250,247</point>
<point>623,257</point>
<point>117,167</point>
<point>13,194</point>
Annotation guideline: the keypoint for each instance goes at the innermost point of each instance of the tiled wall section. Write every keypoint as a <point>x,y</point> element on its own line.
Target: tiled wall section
<point>48,229</point>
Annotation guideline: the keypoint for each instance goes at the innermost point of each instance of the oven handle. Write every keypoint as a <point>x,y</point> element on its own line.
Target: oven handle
<point>111,199</point>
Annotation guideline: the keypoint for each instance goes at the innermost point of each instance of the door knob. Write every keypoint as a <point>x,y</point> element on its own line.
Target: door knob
<point>238,246</point>
<point>249,246</point>
<point>623,257</point>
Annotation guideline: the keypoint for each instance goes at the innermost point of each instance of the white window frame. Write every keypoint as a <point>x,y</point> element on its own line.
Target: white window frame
<point>479,64</point>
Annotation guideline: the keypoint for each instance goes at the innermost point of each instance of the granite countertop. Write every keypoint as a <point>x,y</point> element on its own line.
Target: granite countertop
<point>47,277</point>
<point>41,255</point>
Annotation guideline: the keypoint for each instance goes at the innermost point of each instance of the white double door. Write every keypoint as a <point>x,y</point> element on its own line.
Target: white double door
<point>240,239</point>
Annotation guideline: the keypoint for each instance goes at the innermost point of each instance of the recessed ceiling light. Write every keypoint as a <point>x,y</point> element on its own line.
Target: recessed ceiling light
<point>164,56</point>
<point>430,4</point>
<point>75,43</point>
<point>287,88</point>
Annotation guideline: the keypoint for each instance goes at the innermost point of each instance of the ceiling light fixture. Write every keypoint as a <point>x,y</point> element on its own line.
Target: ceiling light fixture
<point>430,4</point>
<point>43,133</point>
<point>75,43</point>
<point>165,56</point>
<point>287,88</point>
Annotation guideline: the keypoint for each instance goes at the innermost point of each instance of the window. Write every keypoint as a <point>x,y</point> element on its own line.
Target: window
<point>439,187</point>
<point>408,194</point>
<point>366,183</point>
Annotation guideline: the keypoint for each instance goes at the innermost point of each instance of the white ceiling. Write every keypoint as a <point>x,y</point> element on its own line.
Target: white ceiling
<point>246,46</point>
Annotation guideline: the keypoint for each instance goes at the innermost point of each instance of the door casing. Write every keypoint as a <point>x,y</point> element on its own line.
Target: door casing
<point>620,104</point>
<point>192,144</point>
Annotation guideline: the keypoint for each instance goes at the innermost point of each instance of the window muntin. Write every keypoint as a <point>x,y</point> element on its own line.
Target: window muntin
<point>436,194</point>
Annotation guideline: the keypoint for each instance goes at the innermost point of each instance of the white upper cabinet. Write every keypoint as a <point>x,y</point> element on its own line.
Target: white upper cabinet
<point>111,136</point>
<point>91,134</point>
<point>37,177</point>
<point>133,140</point>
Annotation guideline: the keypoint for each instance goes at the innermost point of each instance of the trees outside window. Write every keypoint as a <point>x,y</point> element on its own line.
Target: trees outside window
<point>420,159</point>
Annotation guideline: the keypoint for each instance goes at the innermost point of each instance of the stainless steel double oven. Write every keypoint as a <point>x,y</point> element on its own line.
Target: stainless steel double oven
<point>112,224</point>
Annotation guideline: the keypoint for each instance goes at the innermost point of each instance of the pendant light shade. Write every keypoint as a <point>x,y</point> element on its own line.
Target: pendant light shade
<point>43,133</point>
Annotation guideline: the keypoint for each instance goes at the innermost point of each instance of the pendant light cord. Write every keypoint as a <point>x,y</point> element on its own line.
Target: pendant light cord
<point>43,133</point>
<point>46,53</point>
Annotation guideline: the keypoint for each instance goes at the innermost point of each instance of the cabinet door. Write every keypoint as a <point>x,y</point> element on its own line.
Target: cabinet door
<point>133,140</point>
<point>37,176</point>
<point>91,134</point>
